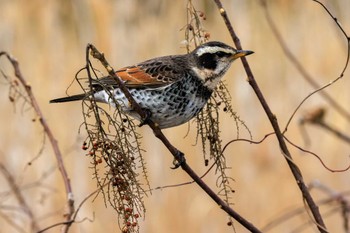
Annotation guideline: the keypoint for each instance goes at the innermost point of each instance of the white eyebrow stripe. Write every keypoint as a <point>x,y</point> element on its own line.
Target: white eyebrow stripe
<point>214,49</point>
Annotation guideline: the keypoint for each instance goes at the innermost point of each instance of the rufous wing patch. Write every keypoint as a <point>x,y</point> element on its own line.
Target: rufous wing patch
<point>135,76</point>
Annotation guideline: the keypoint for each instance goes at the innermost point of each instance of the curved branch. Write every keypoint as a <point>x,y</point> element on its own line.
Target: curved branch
<point>19,196</point>
<point>52,139</point>
<point>273,120</point>
<point>301,69</point>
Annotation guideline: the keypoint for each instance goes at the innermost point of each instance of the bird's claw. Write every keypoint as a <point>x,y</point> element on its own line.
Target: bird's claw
<point>178,160</point>
<point>145,120</point>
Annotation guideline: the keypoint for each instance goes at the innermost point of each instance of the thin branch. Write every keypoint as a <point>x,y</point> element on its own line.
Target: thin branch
<point>334,131</point>
<point>211,167</point>
<point>319,90</point>
<point>338,197</point>
<point>52,139</point>
<point>333,196</point>
<point>12,222</point>
<point>318,157</point>
<point>273,120</point>
<point>75,214</point>
<point>301,69</point>
<point>316,116</point>
<point>19,196</point>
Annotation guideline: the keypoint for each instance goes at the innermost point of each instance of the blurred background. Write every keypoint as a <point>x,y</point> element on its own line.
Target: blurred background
<point>49,38</point>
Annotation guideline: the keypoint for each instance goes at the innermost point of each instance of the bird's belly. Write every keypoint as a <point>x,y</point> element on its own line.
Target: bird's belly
<point>169,109</point>
<point>169,106</point>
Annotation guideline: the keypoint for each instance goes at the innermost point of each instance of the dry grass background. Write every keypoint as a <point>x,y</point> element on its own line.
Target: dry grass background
<point>49,37</point>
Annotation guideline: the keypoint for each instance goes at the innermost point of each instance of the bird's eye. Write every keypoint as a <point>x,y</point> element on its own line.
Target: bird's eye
<point>208,61</point>
<point>221,54</point>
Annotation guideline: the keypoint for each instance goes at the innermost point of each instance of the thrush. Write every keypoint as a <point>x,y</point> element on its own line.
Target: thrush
<point>173,89</point>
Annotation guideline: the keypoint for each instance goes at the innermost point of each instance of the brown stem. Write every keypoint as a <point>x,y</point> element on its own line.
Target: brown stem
<point>302,70</point>
<point>19,196</point>
<point>53,141</point>
<point>336,132</point>
<point>273,120</point>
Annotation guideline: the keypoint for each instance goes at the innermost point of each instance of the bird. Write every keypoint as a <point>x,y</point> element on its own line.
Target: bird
<point>172,89</point>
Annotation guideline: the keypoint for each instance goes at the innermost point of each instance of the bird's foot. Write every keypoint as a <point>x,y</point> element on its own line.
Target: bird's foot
<point>178,160</point>
<point>145,120</point>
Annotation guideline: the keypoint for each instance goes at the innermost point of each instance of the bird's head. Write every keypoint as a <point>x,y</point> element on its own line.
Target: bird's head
<point>212,60</point>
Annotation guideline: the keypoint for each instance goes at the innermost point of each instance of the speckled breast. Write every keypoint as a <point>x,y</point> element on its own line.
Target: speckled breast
<point>170,106</point>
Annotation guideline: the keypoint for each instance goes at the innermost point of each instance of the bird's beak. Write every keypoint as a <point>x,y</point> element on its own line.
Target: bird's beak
<point>241,53</point>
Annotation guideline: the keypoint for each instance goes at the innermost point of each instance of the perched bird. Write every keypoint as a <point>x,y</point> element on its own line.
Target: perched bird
<point>173,89</point>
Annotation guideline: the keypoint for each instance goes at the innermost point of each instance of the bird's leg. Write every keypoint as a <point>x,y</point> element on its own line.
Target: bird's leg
<point>178,160</point>
<point>145,120</point>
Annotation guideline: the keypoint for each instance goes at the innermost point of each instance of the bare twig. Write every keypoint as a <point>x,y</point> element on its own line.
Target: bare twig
<point>305,74</point>
<point>316,117</point>
<point>318,157</point>
<point>338,197</point>
<point>75,214</point>
<point>12,222</point>
<point>336,200</point>
<point>273,120</point>
<point>336,132</point>
<point>19,196</point>
<point>53,141</point>
<point>211,167</point>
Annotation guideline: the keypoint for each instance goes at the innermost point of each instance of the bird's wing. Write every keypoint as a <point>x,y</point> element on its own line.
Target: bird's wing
<point>149,74</point>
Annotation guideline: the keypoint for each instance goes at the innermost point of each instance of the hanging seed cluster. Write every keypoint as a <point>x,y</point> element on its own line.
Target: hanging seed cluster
<point>113,145</point>
<point>208,127</point>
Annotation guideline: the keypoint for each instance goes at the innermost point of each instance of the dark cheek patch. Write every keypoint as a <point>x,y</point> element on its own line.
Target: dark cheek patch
<point>208,61</point>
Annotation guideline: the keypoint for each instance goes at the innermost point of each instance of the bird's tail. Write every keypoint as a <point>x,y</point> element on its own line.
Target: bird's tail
<point>70,98</point>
